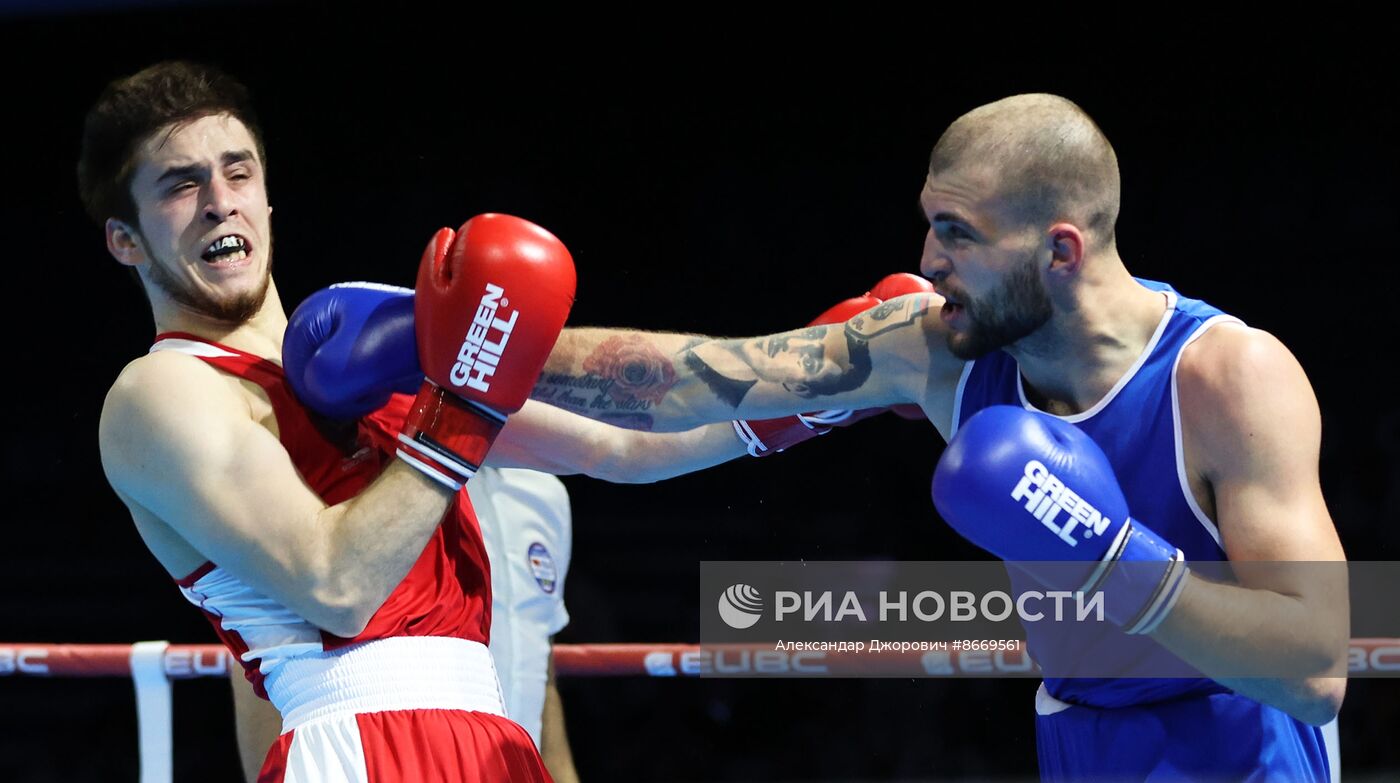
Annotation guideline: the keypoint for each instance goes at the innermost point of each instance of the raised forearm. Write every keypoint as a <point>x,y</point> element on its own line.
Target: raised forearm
<point>370,543</point>
<point>1230,633</point>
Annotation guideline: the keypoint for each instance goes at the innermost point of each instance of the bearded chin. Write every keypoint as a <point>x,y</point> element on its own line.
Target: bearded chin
<point>1011,313</point>
<point>234,310</point>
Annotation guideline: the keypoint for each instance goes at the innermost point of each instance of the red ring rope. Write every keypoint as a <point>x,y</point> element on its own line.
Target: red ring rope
<point>186,661</point>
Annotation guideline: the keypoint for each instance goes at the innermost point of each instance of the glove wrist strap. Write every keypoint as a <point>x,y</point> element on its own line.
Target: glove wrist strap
<point>446,436</point>
<point>1141,577</point>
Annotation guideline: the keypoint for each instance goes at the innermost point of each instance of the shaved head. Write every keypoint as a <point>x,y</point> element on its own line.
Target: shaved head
<point>1044,156</point>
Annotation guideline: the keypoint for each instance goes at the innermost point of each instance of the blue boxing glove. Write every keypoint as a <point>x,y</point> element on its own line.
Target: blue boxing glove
<point>350,346</point>
<point>1030,488</point>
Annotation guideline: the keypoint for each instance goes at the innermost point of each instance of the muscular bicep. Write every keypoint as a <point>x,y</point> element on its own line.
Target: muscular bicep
<point>1252,432</point>
<point>1252,429</point>
<point>1256,428</point>
<point>180,443</point>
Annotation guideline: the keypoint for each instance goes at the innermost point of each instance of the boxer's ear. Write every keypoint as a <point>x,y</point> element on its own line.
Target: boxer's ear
<point>123,243</point>
<point>1066,244</point>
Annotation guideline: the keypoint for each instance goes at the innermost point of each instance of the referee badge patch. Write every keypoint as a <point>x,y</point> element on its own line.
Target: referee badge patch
<point>542,567</point>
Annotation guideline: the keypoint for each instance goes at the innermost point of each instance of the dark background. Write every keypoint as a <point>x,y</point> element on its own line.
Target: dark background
<point>719,174</point>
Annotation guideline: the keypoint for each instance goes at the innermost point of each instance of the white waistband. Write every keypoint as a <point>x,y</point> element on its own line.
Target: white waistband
<point>1045,704</point>
<point>399,673</point>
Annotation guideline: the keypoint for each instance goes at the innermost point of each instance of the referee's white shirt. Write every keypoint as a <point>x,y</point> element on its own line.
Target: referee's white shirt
<point>528,529</point>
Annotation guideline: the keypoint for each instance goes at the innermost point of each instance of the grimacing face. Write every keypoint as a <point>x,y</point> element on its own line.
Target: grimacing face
<point>982,264</point>
<point>203,237</point>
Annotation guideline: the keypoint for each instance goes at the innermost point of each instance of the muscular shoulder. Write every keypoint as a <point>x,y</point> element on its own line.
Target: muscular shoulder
<point>1232,364</point>
<point>1241,390</point>
<point>165,406</point>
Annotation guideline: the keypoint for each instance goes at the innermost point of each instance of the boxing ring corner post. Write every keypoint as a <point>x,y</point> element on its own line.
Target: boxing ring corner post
<point>154,711</point>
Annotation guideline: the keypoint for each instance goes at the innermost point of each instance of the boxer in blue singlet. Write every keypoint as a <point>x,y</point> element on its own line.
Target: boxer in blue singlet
<point>1210,427</point>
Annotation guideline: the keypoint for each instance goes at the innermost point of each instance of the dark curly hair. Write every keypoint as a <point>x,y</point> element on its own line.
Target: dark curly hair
<point>132,108</point>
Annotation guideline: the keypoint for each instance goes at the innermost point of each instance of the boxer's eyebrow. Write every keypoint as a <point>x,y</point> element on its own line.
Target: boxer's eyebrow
<point>955,220</point>
<point>941,217</point>
<point>179,172</point>
<point>236,156</point>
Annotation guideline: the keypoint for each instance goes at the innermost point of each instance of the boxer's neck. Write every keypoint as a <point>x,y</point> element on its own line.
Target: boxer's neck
<point>1082,352</point>
<point>260,335</point>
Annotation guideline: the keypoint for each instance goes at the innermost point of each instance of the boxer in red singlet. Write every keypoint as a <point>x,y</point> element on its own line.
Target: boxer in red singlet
<point>352,586</point>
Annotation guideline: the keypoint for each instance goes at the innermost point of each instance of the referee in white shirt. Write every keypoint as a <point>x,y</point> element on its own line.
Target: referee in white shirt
<point>528,529</point>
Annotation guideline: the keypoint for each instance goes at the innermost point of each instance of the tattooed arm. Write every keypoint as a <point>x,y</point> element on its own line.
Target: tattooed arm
<point>891,354</point>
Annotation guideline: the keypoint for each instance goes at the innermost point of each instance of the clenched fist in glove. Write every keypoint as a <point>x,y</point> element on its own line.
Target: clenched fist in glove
<point>490,302</point>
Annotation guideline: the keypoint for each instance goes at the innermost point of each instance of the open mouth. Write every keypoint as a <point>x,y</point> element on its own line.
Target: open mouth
<point>951,309</point>
<point>226,249</point>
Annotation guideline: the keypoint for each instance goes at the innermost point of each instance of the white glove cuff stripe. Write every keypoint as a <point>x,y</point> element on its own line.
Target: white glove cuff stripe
<point>462,469</point>
<point>750,439</point>
<point>825,418</point>
<point>1165,599</point>
<point>1115,551</point>
<point>429,471</point>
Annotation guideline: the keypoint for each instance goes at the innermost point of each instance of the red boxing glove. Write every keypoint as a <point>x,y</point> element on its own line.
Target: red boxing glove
<point>490,302</point>
<point>763,437</point>
<point>899,284</point>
